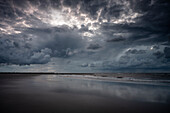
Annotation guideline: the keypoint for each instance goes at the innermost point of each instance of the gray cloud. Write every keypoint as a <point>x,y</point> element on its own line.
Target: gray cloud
<point>158,54</point>
<point>24,49</point>
<point>167,52</point>
<point>116,39</point>
<point>134,51</point>
<point>125,33</point>
<point>41,57</point>
<point>84,65</point>
<point>94,46</point>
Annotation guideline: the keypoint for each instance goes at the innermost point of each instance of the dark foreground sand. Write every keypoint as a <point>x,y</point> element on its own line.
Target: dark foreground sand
<point>81,94</point>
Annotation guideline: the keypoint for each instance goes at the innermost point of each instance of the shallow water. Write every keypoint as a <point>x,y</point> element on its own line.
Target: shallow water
<point>54,94</point>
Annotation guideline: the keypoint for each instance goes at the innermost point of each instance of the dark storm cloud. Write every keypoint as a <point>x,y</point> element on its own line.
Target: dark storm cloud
<point>134,51</point>
<point>167,52</point>
<point>57,39</point>
<point>130,32</point>
<point>26,49</point>
<point>158,54</point>
<point>116,39</point>
<point>94,46</point>
<point>19,53</point>
<point>151,27</point>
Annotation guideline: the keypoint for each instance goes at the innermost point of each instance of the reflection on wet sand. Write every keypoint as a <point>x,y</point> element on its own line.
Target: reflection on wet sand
<point>130,91</point>
<point>53,93</point>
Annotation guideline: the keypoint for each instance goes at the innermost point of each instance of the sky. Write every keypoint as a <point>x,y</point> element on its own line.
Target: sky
<point>84,36</point>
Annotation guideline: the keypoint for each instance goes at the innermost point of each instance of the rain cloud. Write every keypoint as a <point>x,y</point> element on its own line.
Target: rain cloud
<point>92,35</point>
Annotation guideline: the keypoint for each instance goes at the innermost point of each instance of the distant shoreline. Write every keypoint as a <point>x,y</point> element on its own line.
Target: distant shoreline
<point>76,73</point>
<point>151,76</point>
<point>93,74</point>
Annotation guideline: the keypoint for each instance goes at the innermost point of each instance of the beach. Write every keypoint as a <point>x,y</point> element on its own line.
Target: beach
<point>84,93</point>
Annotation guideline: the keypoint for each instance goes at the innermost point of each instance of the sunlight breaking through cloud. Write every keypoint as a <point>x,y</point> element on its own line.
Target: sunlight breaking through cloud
<point>99,31</point>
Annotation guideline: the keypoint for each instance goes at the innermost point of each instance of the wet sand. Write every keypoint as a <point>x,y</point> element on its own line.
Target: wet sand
<point>38,93</point>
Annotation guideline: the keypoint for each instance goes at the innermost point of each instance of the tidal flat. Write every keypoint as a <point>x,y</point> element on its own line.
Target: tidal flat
<point>84,93</point>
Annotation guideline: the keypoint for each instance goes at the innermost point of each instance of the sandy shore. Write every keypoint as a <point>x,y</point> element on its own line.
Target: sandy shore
<point>54,93</point>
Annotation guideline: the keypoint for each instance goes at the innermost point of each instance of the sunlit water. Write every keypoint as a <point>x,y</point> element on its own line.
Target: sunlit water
<point>54,93</point>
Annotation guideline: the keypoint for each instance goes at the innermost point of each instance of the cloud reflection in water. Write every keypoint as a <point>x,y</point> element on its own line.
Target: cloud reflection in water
<point>128,91</point>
